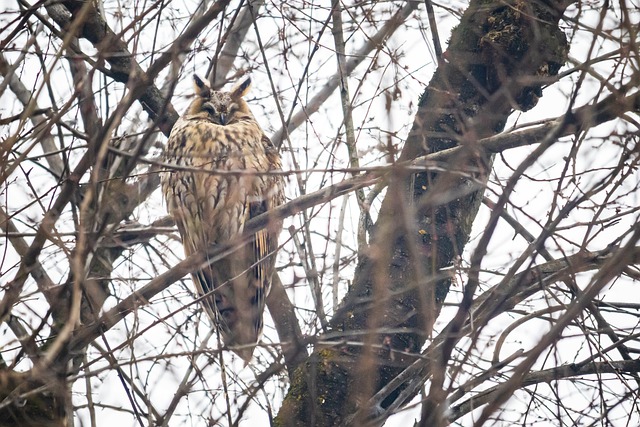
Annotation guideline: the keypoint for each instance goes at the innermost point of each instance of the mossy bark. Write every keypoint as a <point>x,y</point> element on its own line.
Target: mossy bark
<point>497,61</point>
<point>32,402</point>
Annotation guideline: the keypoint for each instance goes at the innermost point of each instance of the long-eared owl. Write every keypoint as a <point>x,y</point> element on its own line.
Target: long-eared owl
<point>224,177</point>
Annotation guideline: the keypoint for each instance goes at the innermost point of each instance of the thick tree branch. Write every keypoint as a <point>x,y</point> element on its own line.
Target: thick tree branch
<point>495,301</point>
<point>470,97</point>
<point>123,65</point>
<point>283,314</point>
<point>222,63</point>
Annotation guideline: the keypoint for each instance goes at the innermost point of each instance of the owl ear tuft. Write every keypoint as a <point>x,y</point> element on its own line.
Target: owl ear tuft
<point>241,88</point>
<point>201,87</point>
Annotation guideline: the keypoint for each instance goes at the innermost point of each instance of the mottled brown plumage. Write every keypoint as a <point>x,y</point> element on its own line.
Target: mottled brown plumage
<point>218,133</point>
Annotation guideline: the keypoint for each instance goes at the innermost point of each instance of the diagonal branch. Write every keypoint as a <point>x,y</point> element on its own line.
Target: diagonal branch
<point>222,63</point>
<point>425,219</point>
<point>198,259</point>
<point>25,97</point>
<point>617,367</point>
<point>494,302</point>
<point>123,65</point>
<point>375,42</point>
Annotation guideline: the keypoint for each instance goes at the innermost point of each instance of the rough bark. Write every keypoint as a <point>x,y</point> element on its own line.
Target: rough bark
<point>43,406</point>
<point>497,61</point>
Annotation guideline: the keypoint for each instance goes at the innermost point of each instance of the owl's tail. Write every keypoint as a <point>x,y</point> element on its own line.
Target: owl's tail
<point>231,302</point>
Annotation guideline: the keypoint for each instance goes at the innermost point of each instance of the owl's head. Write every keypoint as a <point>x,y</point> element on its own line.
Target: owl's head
<point>222,108</point>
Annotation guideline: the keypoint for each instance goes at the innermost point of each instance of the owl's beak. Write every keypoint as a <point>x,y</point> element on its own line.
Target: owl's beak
<point>223,119</point>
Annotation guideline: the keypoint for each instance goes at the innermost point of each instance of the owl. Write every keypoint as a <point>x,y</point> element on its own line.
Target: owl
<point>224,177</point>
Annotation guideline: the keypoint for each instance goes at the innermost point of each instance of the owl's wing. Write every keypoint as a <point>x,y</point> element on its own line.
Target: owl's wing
<point>189,220</point>
<point>262,246</point>
<point>265,243</point>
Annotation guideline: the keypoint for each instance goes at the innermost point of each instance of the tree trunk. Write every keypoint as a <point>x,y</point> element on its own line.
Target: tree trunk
<point>497,61</point>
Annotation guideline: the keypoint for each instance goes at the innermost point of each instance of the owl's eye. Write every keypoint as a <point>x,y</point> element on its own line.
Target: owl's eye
<point>209,108</point>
